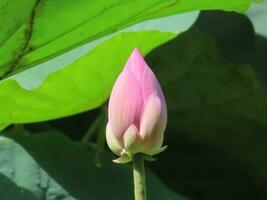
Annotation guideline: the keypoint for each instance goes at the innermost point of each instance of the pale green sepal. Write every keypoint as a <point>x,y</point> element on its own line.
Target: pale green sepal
<point>148,158</point>
<point>156,151</point>
<point>123,159</point>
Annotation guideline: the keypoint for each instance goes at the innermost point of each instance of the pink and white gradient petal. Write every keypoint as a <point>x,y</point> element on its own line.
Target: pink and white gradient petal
<point>125,103</point>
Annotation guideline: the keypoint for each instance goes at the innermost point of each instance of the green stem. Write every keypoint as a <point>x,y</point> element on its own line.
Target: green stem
<point>101,137</point>
<point>100,145</point>
<point>139,177</point>
<point>92,129</point>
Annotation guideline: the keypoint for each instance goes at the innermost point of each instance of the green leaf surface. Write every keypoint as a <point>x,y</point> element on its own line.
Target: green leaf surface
<point>83,85</point>
<point>45,29</point>
<point>29,170</point>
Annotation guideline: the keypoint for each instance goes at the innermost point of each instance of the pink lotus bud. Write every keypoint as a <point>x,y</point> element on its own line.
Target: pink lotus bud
<point>137,111</point>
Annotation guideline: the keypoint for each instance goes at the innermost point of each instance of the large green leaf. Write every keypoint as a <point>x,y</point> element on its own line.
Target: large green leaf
<point>44,29</point>
<point>33,77</point>
<point>83,85</point>
<point>38,83</point>
<point>49,166</point>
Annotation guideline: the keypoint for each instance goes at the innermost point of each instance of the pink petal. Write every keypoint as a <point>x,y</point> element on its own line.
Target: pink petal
<point>136,64</point>
<point>150,85</point>
<point>153,122</point>
<point>125,103</point>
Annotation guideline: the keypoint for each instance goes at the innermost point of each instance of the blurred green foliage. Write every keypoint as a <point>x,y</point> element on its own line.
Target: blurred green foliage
<point>216,93</point>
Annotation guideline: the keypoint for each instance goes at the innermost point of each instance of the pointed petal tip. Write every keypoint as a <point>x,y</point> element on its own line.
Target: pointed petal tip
<point>136,54</point>
<point>136,64</point>
<point>137,51</point>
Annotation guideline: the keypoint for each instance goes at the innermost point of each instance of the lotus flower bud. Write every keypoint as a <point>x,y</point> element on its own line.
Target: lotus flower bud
<point>137,113</point>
